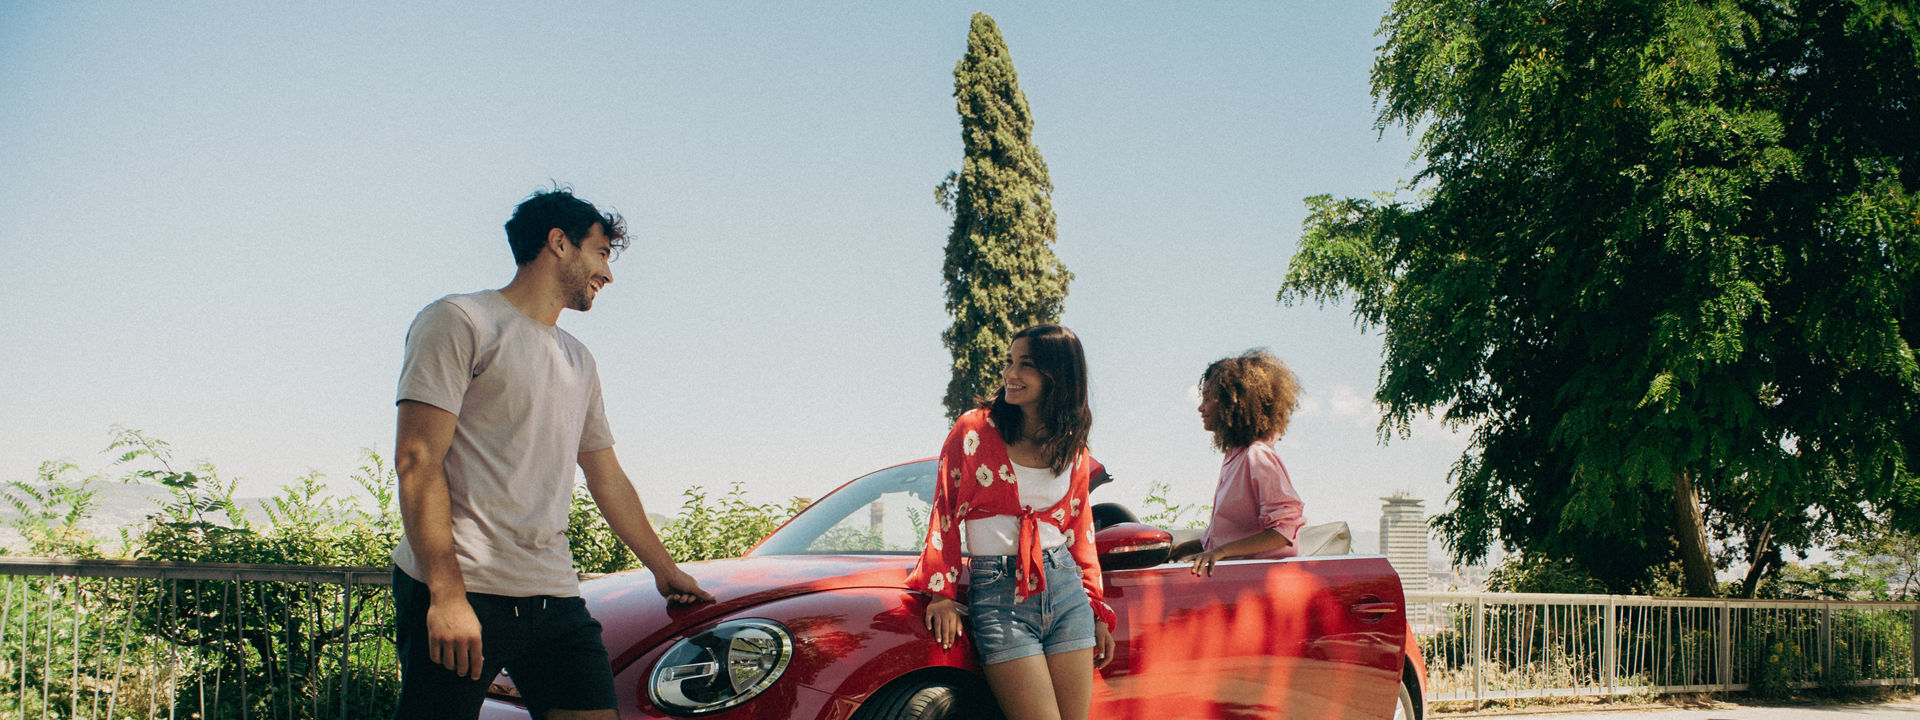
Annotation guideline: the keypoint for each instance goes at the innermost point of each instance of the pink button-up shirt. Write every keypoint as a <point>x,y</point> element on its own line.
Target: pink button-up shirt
<point>1254,495</point>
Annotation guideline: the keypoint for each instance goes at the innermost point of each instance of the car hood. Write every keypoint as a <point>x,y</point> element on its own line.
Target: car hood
<point>636,618</point>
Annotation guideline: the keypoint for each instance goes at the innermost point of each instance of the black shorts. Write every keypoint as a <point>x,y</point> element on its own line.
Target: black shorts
<point>550,646</point>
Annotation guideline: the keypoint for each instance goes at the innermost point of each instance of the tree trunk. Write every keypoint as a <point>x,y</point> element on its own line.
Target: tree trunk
<point>1762,557</point>
<point>1696,568</point>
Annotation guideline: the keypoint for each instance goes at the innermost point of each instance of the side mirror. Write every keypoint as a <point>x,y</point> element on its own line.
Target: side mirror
<point>1130,545</point>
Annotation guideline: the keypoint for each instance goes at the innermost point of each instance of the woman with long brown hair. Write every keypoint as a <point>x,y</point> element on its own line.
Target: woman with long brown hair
<point>1013,478</point>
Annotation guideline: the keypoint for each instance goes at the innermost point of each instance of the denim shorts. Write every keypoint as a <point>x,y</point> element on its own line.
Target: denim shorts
<point>1052,622</point>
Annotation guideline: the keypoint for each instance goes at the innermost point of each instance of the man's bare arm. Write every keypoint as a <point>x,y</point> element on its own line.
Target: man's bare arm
<point>613,493</point>
<point>419,456</point>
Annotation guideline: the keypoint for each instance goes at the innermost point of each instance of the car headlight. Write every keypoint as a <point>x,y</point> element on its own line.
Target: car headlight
<point>721,667</point>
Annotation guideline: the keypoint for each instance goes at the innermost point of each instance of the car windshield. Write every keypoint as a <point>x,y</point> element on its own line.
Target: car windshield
<point>883,513</point>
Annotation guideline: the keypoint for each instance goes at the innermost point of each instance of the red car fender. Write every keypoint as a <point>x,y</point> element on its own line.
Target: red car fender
<point>848,643</point>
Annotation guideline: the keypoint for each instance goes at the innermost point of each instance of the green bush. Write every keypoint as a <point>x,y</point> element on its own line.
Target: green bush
<point>726,528</point>
<point>267,648</point>
<point>1539,574</point>
<point>51,508</point>
<point>1164,513</point>
<point>278,650</point>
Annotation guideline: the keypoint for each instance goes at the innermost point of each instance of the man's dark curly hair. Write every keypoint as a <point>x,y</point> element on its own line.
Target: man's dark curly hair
<point>1253,396</point>
<point>558,208</point>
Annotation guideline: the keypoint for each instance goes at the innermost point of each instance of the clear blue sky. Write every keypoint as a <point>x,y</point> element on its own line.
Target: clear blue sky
<point>219,219</point>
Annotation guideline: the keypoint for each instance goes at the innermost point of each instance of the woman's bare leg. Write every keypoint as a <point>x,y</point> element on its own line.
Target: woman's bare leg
<point>1024,688</point>
<point>1072,682</point>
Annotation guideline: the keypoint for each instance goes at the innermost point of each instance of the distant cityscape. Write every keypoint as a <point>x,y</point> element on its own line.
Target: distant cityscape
<point>1406,540</point>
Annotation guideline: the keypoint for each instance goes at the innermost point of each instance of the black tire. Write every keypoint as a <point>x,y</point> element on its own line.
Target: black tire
<point>918,700</point>
<point>1407,709</point>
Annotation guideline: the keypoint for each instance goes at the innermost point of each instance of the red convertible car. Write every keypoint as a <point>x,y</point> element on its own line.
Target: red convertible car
<point>816,622</point>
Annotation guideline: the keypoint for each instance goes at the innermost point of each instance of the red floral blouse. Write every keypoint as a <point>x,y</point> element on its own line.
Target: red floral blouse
<point>976,480</point>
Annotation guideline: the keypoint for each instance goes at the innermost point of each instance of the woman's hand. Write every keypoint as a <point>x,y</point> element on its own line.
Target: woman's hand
<point>1254,544</point>
<point>1203,563</point>
<point>1102,645</point>
<point>943,618</point>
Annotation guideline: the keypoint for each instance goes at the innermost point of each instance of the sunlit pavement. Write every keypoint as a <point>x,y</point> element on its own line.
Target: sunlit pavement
<point>1719,711</point>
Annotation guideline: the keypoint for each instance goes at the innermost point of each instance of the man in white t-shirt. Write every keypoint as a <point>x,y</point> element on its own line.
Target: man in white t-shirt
<point>497,405</point>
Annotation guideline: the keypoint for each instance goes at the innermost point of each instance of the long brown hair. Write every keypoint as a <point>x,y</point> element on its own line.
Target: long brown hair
<point>1064,417</point>
<point>1253,398</point>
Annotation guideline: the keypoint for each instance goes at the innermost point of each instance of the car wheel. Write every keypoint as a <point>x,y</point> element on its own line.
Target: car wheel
<point>1404,710</point>
<point>917,700</point>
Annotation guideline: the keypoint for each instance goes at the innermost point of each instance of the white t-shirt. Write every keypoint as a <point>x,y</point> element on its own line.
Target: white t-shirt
<point>527,396</point>
<point>1040,488</point>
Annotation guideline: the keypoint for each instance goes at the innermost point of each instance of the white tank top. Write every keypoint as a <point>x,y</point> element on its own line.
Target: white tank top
<point>1039,488</point>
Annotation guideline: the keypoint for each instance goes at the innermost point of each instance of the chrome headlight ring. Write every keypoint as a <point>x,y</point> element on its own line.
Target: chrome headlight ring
<point>721,667</point>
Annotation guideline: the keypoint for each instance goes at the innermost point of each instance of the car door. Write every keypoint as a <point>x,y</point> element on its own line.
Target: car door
<point>1296,638</point>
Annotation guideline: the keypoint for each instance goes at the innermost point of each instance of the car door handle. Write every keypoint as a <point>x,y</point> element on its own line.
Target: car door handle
<point>1373,610</point>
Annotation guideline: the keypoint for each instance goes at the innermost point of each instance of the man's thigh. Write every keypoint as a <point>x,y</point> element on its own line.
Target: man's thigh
<point>428,689</point>
<point>563,665</point>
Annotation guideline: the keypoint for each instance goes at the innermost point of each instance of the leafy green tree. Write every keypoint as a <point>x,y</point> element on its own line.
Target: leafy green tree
<point>1887,563</point>
<point>1662,258</point>
<point>1525,574</point>
<point>1880,564</point>
<point>1001,275</point>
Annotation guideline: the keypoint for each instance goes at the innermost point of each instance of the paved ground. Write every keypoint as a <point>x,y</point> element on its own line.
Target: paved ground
<point>1903,709</point>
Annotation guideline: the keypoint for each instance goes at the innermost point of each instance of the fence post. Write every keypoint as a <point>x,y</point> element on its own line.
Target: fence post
<point>1826,641</point>
<point>1726,645</point>
<point>1610,629</point>
<point>1479,648</point>
<point>1913,634</point>
<point>346,648</point>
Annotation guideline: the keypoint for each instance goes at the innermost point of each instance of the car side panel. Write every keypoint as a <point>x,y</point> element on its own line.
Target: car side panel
<point>1261,638</point>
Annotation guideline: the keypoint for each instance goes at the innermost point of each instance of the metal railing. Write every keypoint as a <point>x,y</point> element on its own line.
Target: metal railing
<point>122,639</point>
<point>1493,646</point>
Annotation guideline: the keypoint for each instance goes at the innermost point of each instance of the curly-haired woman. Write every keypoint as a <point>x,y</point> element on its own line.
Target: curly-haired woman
<point>1246,402</point>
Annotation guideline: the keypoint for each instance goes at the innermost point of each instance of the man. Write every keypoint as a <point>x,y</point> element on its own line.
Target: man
<point>496,407</point>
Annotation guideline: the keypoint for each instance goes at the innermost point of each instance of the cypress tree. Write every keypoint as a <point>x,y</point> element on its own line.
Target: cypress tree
<point>1001,275</point>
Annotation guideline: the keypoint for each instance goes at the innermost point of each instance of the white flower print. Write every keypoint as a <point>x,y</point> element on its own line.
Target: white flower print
<point>1059,515</point>
<point>936,542</point>
<point>937,583</point>
<point>1006,475</point>
<point>964,509</point>
<point>1069,537</point>
<point>953,575</point>
<point>1075,504</point>
<point>972,442</point>
<point>1032,584</point>
<point>984,475</point>
<point>991,423</point>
